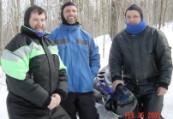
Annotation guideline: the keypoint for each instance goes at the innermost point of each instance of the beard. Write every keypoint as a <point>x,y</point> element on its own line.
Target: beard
<point>71,20</point>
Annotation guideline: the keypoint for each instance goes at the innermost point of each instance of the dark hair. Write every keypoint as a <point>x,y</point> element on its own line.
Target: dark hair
<point>30,10</point>
<point>135,7</point>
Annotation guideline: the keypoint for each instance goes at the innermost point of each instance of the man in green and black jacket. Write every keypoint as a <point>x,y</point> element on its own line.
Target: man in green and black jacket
<point>36,76</point>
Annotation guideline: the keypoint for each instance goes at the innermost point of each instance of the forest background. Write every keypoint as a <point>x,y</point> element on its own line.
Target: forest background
<point>98,17</point>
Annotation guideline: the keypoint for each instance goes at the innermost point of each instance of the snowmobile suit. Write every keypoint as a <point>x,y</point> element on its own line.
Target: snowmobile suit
<point>33,75</point>
<point>81,57</point>
<point>79,54</point>
<point>145,59</point>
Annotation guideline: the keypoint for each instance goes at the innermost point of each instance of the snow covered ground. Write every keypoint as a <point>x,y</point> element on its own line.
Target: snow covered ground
<point>168,104</point>
<point>102,41</point>
<point>3,95</point>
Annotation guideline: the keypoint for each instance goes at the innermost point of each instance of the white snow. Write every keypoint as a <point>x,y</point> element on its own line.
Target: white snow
<point>102,41</point>
<point>168,104</point>
<point>3,95</point>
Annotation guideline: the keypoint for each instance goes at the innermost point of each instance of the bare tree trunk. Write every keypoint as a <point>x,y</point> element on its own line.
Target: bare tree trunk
<point>113,19</point>
<point>161,12</point>
<point>164,12</point>
<point>32,2</point>
<point>17,15</point>
<point>98,17</point>
<point>117,16</point>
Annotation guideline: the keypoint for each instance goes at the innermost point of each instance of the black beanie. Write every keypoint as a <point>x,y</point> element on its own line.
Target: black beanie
<point>137,8</point>
<point>28,12</point>
<point>62,16</point>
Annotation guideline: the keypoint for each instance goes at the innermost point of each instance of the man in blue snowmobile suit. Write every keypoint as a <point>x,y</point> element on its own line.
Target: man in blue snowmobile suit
<point>80,55</point>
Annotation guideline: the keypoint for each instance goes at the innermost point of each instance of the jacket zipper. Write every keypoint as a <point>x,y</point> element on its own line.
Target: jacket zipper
<point>49,66</point>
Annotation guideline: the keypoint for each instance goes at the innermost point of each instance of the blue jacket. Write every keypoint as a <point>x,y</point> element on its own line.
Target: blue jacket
<point>80,55</point>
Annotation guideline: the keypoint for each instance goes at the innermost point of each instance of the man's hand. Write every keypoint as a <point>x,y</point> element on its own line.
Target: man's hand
<point>116,82</point>
<point>58,97</point>
<point>55,101</point>
<point>161,91</point>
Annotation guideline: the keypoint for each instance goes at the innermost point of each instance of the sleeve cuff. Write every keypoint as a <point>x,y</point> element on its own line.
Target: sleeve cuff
<point>115,78</point>
<point>62,93</point>
<point>162,84</point>
<point>47,102</point>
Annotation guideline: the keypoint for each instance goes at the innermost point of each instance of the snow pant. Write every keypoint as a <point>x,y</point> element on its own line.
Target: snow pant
<point>83,103</point>
<point>19,108</point>
<point>149,104</point>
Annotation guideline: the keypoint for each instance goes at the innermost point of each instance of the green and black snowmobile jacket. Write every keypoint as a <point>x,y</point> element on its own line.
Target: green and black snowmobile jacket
<point>33,71</point>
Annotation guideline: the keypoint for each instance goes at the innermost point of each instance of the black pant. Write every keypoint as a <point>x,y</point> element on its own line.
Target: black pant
<point>19,108</point>
<point>83,103</point>
<point>149,103</point>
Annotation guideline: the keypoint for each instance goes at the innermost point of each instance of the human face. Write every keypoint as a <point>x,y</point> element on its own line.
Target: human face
<point>133,17</point>
<point>37,21</point>
<point>70,14</point>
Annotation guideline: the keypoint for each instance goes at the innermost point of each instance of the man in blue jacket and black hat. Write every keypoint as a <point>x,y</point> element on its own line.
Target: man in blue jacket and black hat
<point>81,57</point>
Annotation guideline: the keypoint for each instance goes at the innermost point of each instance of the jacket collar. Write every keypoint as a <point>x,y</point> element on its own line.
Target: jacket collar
<point>69,27</point>
<point>29,31</point>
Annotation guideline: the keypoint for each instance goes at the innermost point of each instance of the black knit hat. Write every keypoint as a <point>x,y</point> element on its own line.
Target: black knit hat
<point>62,16</point>
<point>28,12</point>
<point>135,7</point>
